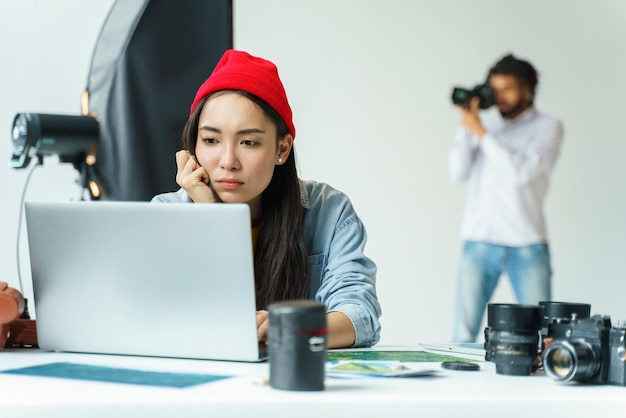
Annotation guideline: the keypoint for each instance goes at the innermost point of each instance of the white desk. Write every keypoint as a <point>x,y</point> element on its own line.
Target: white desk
<point>452,394</point>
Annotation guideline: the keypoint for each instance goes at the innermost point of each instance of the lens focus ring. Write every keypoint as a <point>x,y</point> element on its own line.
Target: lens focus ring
<point>571,361</point>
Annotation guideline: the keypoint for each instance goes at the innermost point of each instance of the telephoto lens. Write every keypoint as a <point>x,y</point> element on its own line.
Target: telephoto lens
<point>512,337</point>
<point>297,345</point>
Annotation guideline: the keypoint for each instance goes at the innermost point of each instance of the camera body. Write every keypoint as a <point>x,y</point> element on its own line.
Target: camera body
<point>462,96</point>
<point>592,351</point>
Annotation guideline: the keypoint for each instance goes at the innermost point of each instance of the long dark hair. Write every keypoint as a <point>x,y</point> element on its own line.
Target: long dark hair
<point>280,257</point>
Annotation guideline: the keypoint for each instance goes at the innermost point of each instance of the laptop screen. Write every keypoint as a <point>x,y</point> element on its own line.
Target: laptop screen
<point>139,278</point>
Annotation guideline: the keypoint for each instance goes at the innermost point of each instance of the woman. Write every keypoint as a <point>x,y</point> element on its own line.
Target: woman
<point>308,241</point>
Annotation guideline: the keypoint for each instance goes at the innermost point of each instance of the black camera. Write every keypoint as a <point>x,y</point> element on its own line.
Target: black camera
<point>592,351</point>
<point>462,96</point>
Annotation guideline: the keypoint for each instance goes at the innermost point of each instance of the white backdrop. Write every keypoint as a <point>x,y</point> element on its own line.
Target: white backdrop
<point>369,83</point>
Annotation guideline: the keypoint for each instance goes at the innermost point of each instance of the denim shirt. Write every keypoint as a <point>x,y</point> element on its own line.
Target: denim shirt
<point>342,277</point>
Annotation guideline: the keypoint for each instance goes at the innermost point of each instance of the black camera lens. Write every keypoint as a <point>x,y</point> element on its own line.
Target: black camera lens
<point>561,363</point>
<point>553,310</point>
<point>571,361</point>
<point>297,342</point>
<point>512,337</point>
<point>461,96</point>
<point>559,316</point>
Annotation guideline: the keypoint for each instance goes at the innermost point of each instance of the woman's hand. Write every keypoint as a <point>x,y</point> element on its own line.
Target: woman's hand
<point>341,332</point>
<point>262,324</point>
<point>192,177</point>
<point>340,329</point>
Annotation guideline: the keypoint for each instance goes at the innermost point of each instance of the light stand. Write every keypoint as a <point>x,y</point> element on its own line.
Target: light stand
<point>74,139</point>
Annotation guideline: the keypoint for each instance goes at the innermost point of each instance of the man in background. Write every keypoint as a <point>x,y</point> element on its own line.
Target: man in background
<point>507,160</point>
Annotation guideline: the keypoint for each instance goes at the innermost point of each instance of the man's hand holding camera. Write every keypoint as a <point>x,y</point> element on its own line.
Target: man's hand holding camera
<point>470,118</point>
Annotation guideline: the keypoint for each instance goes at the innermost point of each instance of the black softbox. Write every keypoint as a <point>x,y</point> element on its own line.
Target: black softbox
<point>149,60</point>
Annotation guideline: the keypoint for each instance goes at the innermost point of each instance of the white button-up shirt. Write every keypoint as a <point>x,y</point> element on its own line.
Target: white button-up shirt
<point>508,175</point>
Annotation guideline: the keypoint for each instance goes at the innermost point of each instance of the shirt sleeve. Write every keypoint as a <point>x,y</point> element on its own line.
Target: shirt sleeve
<point>462,155</point>
<point>179,196</point>
<point>538,159</point>
<point>348,283</point>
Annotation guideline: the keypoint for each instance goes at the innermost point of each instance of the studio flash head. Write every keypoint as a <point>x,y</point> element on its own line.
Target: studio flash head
<point>73,138</point>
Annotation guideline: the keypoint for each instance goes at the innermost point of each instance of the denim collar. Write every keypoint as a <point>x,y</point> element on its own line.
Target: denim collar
<point>304,194</point>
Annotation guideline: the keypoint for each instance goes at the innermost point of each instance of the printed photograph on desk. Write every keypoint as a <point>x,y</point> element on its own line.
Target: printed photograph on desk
<point>376,369</point>
<point>413,356</point>
<point>66,370</point>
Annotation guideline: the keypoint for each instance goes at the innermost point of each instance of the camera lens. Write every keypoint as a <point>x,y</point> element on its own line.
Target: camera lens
<point>512,337</point>
<point>564,309</point>
<point>461,96</point>
<point>561,363</point>
<point>552,310</point>
<point>297,342</point>
<point>558,317</point>
<point>571,361</point>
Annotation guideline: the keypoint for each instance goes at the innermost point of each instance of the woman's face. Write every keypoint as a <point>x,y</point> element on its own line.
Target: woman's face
<point>237,147</point>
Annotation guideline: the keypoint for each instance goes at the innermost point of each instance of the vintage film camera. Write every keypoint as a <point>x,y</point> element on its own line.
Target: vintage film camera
<point>560,337</point>
<point>592,351</point>
<point>462,96</point>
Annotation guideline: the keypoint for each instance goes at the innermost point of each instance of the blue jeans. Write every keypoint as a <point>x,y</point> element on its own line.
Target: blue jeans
<point>481,266</point>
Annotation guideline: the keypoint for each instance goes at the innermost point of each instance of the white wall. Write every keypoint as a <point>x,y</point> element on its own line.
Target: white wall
<point>45,53</point>
<point>369,83</point>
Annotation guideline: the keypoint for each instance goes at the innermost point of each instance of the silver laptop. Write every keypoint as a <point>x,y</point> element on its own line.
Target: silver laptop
<point>139,278</point>
<point>472,351</point>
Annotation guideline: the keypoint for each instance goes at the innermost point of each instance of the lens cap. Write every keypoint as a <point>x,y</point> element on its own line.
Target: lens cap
<point>460,365</point>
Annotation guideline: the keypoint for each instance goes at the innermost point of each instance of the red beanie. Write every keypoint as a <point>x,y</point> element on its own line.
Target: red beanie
<point>238,70</point>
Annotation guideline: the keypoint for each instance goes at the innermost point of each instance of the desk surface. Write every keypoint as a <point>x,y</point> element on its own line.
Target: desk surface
<point>451,393</point>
